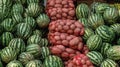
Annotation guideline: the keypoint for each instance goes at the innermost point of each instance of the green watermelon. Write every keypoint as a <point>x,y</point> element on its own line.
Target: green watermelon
<point>114,52</point>
<point>37,32</point>
<point>53,61</point>
<point>88,32</point>
<point>104,48</point>
<point>94,5</point>
<point>34,63</point>
<point>8,54</point>
<point>84,21</point>
<point>45,52</point>
<point>44,42</point>
<point>109,63</point>
<point>5,38</point>
<point>95,57</point>
<point>33,1</point>
<point>82,11</point>
<point>34,39</point>
<point>111,15</point>
<point>116,28</point>
<point>25,57</point>
<point>14,63</point>
<point>106,33</point>
<point>17,18</point>
<point>34,49</point>
<point>95,20</point>
<point>94,42</point>
<point>23,30</point>
<point>20,1</point>
<point>17,8</point>
<point>17,44</point>
<point>1,29</point>
<point>43,20</point>
<point>8,25</point>
<point>34,9</point>
<point>30,21</point>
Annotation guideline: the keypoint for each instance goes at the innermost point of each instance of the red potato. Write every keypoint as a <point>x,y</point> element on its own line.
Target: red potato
<point>58,5</point>
<point>58,1</point>
<point>60,27</point>
<point>65,54</point>
<point>69,50</point>
<point>71,12</point>
<point>72,26</point>
<point>58,16</point>
<point>56,50</point>
<point>70,31</point>
<point>57,38</point>
<point>61,47</point>
<point>65,10</point>
<point>63,37</point>
<point>64,2</point>
<point>65,43</point>
<point>74,41</point>
<point>66,27</point>
<point>66,6</point>
<point>53,13</point>
<point>58,42</point>
<point>80,46</point>
<point>64,15</point>
<point>51,3</point>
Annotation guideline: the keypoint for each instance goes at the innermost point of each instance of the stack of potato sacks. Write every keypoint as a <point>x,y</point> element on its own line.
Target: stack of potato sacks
<point>65,34</point>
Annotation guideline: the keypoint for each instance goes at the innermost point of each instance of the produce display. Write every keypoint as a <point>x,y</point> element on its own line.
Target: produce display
<point>59,33</point>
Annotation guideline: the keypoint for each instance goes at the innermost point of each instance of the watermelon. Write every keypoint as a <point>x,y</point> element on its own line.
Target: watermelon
<point>45,52</point>
<point>17,44</point>
<point>17,8</point>
<point>94,42</point>
<point>116,28</point>
<point>43,20</point>
<point>104,48</point>
<point>95,20</point>
<point>14,63</point>
<point>34,49</point>
<point>5,38</point>
<point>23,30</point>
<point>109,63</point>
<point>106,33</point>
<point>44,42</point>
<point>111,15</point>
<point>20,1</point>
<point>34,10</point>
<point>34,39</point>
<point>8,54</point>
<point>34,63</point>
<point>39,32</point>
<point>84,21</point>
<point>33,1</point>
<point>1,29</point>
<point>17,18</point>
<point>114,52</point>
<point>53,61</point>
<point>82,11</point>
<point>25,57</point>
<point>30,21</point>
<point>88,32</point>
<point>8,25</point>
<point>93,6</point>
<point>95,57</point>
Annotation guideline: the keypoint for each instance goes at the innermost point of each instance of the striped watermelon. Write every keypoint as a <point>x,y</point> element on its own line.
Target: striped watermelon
<point>94,42</point>
<point>23,30</point>
<point>111,15</point>
<point>93,6</point>
<point>106,33</point>
<point>88,32</point>
<point>43,20</point>
<point>34,63</point>
<point>1,29</point>
<point>8,54</point>
<point>5,6</point>
<point>116,28</point>
<point>82,11</point>
<point>109,63</point>
<point>114,52</point>
<point>104,48</point>
<point>95,57</point>
<point>84,21</point>
<point>25,57</point>
<point>34,39</point>
<point>45,52</point>
<point>53,61</point>
<point>17,44</point>
<point>20,1</point>
<point>95,20</point>
<point>8,25</point>
<point>17,18</point>
<point>33,1</point>
<point>17,8</point>
<point>34,10</point>
<point>37,32</point>
<point>34,49</point>
<point>14,63</point>
<point>6,37</point>
<point>30,21</point>
<point>44,42</point>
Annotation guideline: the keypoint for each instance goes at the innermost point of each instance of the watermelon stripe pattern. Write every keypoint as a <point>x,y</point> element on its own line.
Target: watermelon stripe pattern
<point>8,54</point>
<point>18,44</point>
<point>14,63</point>
<point>17,8</point>
<point>95,20</point>
<point>45,52</point>
<point>6,38</point>
<point>94,42</point>
<point>82,11</point>
<point>32,1</point>
<point>52,61</point>
<point>106,33</point>
<point>95,57</point>
<point>84,21</point>
<point>17,18</point>
<point>116,28</point>
<point>37,32</point>
<point>34,63</point>
<point>109,63</point>
<point>44,42</point>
